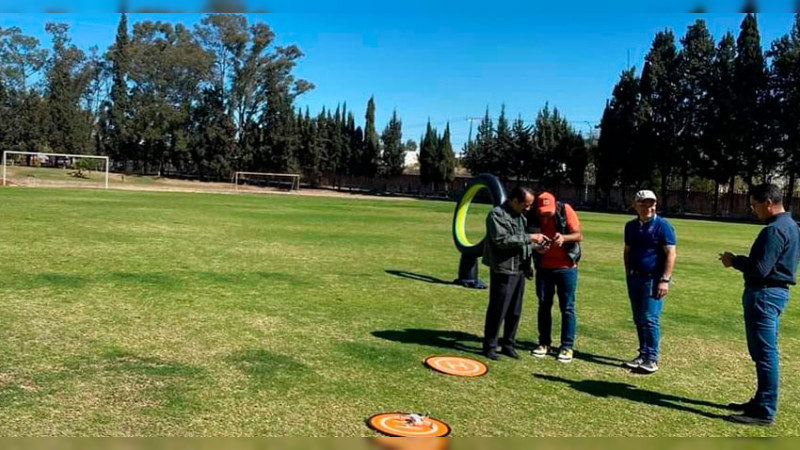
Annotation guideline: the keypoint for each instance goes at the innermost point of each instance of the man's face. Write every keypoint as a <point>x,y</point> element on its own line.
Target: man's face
<point>762,209</point>
<point>646,209</point>
<point>522,207</point>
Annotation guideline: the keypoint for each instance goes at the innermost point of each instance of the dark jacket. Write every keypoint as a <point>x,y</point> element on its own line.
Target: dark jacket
<point>774,255</point>
<point>507,248</point>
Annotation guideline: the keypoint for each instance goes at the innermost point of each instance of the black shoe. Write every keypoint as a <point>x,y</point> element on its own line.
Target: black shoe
<point>510,352</point>
<point>491,354</point>
<point>740,406</point>
<point>750,420</point>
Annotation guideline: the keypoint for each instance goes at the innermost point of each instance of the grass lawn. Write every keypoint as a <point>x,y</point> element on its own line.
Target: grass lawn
<point>129,313</point>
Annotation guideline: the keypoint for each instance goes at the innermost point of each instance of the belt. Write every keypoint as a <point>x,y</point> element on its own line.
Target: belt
<point>767,284</point>
<point>638,273</point>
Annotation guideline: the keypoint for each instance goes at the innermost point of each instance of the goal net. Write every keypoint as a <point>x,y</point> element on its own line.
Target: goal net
<point>253,181</point>
<point>54,169</point>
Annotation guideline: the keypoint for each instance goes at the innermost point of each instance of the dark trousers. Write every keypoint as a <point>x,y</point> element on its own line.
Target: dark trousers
<point>762,311</point>
<point>505,305</point>
<point>565,282</point>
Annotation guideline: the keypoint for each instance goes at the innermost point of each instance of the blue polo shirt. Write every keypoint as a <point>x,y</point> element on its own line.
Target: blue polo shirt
<point>646,241</point>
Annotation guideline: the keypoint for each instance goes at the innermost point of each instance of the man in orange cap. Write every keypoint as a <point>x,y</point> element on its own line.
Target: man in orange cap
<point>556,270</point>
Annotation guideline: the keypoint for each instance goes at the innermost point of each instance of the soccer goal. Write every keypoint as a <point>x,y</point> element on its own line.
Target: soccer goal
<point>54,169</point>
<point>288,181</point>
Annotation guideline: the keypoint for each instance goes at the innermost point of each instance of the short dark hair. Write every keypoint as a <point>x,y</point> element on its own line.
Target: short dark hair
<point>765,191</point>
<point>519,193</point>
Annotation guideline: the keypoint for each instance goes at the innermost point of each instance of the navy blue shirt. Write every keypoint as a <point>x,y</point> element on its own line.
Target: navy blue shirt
<point>774,255</point>
<point>646,242</point>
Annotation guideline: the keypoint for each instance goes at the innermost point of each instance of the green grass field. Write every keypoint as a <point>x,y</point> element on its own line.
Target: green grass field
<point>128,313</point>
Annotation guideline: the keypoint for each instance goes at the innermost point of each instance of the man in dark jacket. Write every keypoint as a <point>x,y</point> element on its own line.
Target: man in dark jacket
<point>507,252</point>
<point>768,272</point>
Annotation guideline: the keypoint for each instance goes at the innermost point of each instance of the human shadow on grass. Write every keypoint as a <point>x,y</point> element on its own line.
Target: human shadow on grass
<point>598,359</point>
<point>451,340</point>
<point>417,277</point>
<point>625,391</point>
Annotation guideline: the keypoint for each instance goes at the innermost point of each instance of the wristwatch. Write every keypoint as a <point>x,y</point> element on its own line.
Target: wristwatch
<point>665,280</point>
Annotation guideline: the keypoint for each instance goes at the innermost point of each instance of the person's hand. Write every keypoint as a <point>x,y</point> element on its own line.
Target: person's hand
<point>727,259</point>
<point>537,238</point>
<point>558,239</point>
<point>528,271</point>
<point>663,289</point>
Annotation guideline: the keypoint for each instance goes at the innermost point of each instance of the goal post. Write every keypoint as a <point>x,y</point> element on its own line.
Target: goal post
<point>39,155</point>
<point>292,180</point>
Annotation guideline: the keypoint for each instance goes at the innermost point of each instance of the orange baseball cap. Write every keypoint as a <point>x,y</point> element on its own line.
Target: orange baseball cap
<point>546,203</point>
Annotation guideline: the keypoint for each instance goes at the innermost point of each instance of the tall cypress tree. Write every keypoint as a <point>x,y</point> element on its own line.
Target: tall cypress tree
<point>660,94</point>
<point>696,66</point>
<point>446,163</point>
<point>394,152</point>
<point>750,83</point>
<point>785,84</point>
<point>522,150</point>
<point>118,110</point>
<point>720,162</point>
<point>428,156</point>
<point>371,156</point>
<point>504,147</point>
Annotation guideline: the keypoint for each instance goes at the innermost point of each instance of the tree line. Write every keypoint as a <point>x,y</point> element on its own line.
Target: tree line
<point>204,102</point>
<point>220,97</point>
<point>717,115</point>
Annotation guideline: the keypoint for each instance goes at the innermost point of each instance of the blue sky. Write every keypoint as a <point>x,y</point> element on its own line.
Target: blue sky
<point>449,67</point>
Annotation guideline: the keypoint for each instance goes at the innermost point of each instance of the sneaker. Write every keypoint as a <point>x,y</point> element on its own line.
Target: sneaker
<point>510,352</point>
<point>648,367</point>
<point>565,355</point>
<point>541,351</point>
<point>750,420</point>
<point>634,363</point>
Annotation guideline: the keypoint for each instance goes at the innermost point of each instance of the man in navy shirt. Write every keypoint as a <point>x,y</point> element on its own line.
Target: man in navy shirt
<point>768,271</point>
<point>649,257</point>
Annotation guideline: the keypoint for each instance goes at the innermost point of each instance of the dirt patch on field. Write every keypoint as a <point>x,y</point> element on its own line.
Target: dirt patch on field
<point>130,183</point>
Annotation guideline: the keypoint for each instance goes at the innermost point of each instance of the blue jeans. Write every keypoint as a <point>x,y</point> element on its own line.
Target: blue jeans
<point>565,281</point>
<point>762,311</point>
<point>646,309</point>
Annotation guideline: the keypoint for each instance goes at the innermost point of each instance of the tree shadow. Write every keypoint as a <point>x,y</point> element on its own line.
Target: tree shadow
<point>417,277</point>
<point>606,389</point>
<point>598,359</point>
<point>451,340</point>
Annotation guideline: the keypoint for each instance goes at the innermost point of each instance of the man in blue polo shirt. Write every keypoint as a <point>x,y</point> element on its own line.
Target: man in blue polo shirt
<point>768,271</point>
<point>649,257</point>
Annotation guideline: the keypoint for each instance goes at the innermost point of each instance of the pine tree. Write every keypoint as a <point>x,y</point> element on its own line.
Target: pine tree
<point>504,148</point>
<point>371,157</point>
<point>428,156</point>
<point>118,146</point>
<point>394,152</point>
<point>660,100</point>
<point>696,66</point>
<point>785,114</point>
<point>750,83</point>
<point>446,163</point>
<point>522,148</point>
